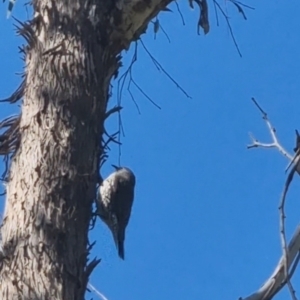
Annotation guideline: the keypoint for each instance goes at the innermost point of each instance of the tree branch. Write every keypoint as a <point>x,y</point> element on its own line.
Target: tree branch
<point>277,280</point>
<point>272,130</point>
<point>93,289</point>
<point>282,230</point>
<point>290,257</point>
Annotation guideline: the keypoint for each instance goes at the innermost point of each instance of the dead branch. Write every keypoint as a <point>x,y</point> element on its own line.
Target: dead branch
<point>282,230</point>
<point>100,295</point>
<point>165,33</point>
<point>18,94</point>
<point>275,143</point>
<point>112,111</point>
<point>122,80</point>
<point>290,257</point>
<point>278,280</point>
<point>217,5</point>
<point>159,67</point>
<point>180,13</point>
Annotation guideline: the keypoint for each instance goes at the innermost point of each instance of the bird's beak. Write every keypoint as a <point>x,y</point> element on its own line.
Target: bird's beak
<point>117,168</point>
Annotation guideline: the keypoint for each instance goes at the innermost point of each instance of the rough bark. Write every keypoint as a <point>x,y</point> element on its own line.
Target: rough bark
<point>72,53</point>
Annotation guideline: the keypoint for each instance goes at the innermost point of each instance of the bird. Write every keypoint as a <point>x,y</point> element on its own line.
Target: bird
<point>114,202</point>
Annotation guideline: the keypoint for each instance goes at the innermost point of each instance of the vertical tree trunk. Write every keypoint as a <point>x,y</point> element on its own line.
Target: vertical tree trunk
<point>54,172</point>
<point>70,59</point>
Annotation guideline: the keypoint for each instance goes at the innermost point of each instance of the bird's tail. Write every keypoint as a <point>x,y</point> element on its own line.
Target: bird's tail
<point>119,237</point>
<point>121,249</point>
<point>120,243</point>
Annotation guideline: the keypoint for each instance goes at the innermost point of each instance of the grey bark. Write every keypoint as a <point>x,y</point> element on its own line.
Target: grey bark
<point>278,280</point>
<point>72,53</point>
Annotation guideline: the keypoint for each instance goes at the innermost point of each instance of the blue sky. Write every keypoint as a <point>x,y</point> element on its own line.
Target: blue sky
<point>205,222</point>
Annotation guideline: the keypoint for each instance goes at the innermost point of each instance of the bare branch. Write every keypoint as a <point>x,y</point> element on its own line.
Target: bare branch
<point>242,4</point>
<point>165,33</point>
<point>18,94</point>
<point>229,26</point>
<point>133,100</point>
<point>160,68</point>
<point>180,13</point>
<point>277,280</point>
<point>216,13</point>
<point>282,230</point>
<point>111,138</point>
<point>272,130</point>
<point>290,257</point>
<point>100,295</point>
<point>141,90</point>
<point>122,79</point>
<point>112,111</point>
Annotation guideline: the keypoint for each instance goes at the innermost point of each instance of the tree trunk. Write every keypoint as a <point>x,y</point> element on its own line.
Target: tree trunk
<point>72,53</point>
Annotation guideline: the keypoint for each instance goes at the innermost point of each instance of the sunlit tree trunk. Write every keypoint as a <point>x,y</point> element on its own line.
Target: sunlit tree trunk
<point>71,56</point>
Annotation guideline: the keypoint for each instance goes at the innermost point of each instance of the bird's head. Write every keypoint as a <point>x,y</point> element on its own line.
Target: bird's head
<point>125,170</point>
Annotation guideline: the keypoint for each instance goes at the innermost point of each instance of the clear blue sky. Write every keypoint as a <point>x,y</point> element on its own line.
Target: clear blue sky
<point>205,220</point>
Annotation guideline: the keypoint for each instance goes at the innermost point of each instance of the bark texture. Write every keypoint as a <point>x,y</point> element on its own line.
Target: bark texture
<point>71,55</point>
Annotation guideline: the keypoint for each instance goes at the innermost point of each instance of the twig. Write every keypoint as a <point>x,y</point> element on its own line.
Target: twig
<point>239,6</point>
<point>112,111</point>
<point>121,83</point>
<point>242,4</point>
<point>100,295</point>
<point>180,13</point>
<point>275,143</point>
<point>122,80</point>
<point>216,13</point>
<point>111,138</point>
<point>143,93</point>
<point>165,33</point>
<point>131,80</point>
<point>133,100</point>
<point>229,26</point>
<point>160,68</point>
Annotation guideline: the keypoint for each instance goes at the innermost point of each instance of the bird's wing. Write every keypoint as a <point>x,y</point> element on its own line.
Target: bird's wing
<point>125,202</point>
